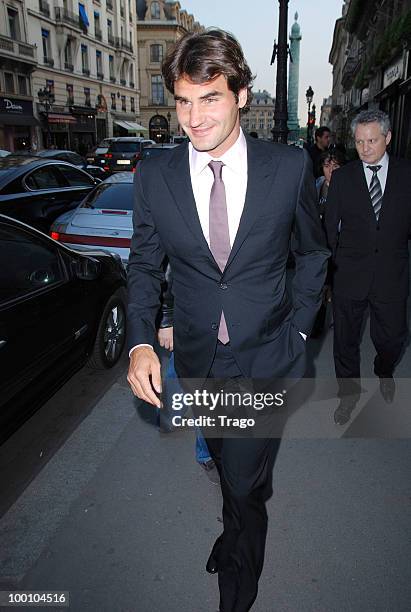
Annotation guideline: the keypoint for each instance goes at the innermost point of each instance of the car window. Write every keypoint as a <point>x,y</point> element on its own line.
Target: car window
<point>125,147</point>
<point>115,196</point>
<point>75,177</point>
<point>73,158</point>
<point>42,178</point>
<point>31,264</point>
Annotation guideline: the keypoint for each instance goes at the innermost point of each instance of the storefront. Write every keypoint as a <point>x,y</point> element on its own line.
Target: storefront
<point>17,124</point>
<point>83,131</point>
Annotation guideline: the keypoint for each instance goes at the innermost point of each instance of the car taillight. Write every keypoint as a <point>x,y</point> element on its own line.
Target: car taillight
<point>55,235</point>
<point>93,240</point>
<point>108,155</point>
<point>106,168</point>
<point>114,212</point>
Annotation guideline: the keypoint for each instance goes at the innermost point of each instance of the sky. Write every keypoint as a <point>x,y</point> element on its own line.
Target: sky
<point>255,24</point>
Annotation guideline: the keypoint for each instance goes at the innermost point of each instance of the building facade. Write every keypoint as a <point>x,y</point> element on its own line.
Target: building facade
<point>376,72</point>
<point>87,65</point>
<point>18,59</point>
<point>260,117</point>
<point>160,23</point>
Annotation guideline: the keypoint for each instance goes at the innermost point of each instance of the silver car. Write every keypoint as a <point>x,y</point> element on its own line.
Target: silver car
<point>103,219</point>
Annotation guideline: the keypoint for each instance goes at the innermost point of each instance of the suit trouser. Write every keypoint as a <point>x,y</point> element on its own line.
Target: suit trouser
<point>245,467</point>
<point>388,330</point>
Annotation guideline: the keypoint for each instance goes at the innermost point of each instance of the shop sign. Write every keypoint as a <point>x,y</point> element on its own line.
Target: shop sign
<point>11,106</point>
<point>394,72</point>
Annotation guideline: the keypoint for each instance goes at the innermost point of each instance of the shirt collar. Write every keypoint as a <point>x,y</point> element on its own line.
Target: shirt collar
<point>383,162</point>
<point>232,158</point>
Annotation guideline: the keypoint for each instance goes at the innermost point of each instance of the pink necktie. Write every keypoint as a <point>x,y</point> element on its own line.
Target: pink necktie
<point>219,233</point>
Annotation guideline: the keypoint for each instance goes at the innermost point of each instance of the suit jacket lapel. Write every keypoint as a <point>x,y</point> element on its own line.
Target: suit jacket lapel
<point>179,183</point>
<point>362,187</point>
<point>261,171</point>
<point>389,185</point>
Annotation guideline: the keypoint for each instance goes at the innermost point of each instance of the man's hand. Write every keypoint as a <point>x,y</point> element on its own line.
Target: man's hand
<point>143,364</point>
<point>165,338</point>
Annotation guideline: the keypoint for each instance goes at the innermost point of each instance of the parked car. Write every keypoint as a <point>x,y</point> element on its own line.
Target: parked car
<point>179,139</point>
<point>157,149</point>
<point>96,156</point>
<point>104,219</point>
<point>68,156</point>
<point>37,191</point>
<point>58,309</point>
<point>123,152</point>
<point>4,153</point>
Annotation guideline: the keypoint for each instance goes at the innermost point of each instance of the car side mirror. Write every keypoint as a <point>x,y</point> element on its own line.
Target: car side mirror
<point>87,268</point>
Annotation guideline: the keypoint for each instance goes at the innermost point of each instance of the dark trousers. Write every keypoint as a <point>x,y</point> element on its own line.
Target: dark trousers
<point>388,330</point>
<point>245,467</point>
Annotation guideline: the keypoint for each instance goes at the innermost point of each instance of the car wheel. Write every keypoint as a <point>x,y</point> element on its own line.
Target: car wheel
<point>111,333</point>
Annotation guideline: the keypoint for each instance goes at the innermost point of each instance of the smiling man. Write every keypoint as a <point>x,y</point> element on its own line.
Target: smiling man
<point>224,209</point>
<point>368,221</point>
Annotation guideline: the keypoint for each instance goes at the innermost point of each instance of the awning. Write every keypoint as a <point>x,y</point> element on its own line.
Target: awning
<point>55,118</point>
<point>131,126</point>
<point>17,120</point>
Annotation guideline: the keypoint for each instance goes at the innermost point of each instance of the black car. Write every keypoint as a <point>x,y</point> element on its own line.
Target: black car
<point>58,309</point>
<point>68,156</point>
<point>123,152</point>
<point>37,191</point>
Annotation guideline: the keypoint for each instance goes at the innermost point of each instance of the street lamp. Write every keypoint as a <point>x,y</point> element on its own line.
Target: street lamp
<point>47,99</point>
<point>309,94</point>
<point>280,129</point>
<point>169,121</point>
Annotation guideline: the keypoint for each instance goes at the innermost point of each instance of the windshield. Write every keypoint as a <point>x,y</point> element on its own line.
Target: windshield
<point>116,196</point>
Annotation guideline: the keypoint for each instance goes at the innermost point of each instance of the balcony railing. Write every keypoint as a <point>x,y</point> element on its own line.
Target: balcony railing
<point>123,82</point>
<point>18,49</point>
<point>100,75</point>
<point>68,66</point>
<point>44,8</point>
<point>48,61</point>
<point>98,33</point>
<point>122,43</point>
<point>112,79</point>
<point>63,16</point>
<point>131,84</point>
<point>86,71</point>
<point>70,101</point>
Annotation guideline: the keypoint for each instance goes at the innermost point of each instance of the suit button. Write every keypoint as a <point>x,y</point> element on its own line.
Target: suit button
<point>376,251</point>
<point>214,326</point>
<point>223,286</point>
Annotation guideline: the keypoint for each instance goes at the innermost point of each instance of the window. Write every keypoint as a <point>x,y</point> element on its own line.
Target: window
<point>31,264</point>
<point>22,85</point>
<point>68,56</point>
<point>70,94</point>
<point>157,89</point>
<point>155,10</point>
<point>99,63</point>
<point>45,40</point>
<point>123,103</point>
<point>50,85</point>
<point>97,27</point>
<point>14,23</point>
<point>75,177</point>
<point>43,178</point>
<point>131,75</point>
<point>9,82</point>
<point>84,59</point>
<point>132,105</point>
<point>111,66</point>
<point>113,101</point>
<point>110,31</point>
<point>156,54</point>
<point>261,125</point>
<point>87,100</point>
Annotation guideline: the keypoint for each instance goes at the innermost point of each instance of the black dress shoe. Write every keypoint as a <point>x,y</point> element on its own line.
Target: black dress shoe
<point>212,563</point>
<point>343,413</point>
<point>387,388</point>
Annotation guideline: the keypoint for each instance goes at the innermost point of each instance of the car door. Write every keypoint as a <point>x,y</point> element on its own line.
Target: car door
<point>43,314</point>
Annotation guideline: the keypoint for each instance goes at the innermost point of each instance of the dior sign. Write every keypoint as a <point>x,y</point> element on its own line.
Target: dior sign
<point>394,72</point>
<point>12,106</point>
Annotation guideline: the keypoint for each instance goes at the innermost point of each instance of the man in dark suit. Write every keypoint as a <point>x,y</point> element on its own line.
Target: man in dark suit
<point>224,209</point>
<point>368,221</point>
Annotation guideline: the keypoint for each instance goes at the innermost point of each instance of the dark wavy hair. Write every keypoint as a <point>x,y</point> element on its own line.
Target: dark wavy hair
<point>203,56</point>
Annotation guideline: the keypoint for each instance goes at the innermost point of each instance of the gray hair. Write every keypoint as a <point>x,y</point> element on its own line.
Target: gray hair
<point>372,116</point>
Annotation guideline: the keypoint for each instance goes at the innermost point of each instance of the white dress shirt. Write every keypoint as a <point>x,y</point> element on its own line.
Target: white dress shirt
<point>382,172</point>
<point>234,176</point>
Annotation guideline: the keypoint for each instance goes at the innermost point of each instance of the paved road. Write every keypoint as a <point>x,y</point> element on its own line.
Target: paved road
<point>123,518</point>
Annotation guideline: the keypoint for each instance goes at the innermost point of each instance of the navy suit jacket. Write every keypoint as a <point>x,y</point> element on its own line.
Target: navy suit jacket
<point>280,209</point>
<point>370,257</point>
